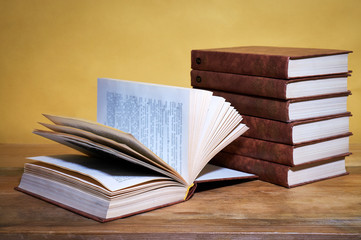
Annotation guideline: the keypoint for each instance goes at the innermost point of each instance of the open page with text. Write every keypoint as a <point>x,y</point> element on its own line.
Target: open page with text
<point>156,115</point>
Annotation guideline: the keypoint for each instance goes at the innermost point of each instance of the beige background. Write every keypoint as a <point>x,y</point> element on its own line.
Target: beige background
<point>52,52</point>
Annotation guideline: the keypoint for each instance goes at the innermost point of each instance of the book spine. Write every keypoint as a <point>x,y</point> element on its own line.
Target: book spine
<point>236,83</point>
<point>238,63</point>
<point>257,106</point>
<point>265,150</point>
<point>266,171</point>
<point>268,130</point>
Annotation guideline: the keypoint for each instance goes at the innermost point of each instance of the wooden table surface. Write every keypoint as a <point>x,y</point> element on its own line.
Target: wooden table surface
<point>254,209</point>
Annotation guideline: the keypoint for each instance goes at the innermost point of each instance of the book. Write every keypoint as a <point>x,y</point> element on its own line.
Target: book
<point>275,62</point>
<point>296,132</point>
<point>283,175</point>
<point>291,155</point>
<point>288,110</point>
<point>157,141</point>
<point>98,190</point>
<point>269,87</point>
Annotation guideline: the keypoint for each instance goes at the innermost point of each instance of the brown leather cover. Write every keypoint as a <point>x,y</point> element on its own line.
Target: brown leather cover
<point>254,60</point>
<point>266,171</point>
<point>248,85</point>
<point>271,151</point>
<point>276,131</point>
<point>269,108</point>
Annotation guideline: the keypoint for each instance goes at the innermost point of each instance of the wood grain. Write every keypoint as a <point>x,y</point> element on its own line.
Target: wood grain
<point>254,209</point>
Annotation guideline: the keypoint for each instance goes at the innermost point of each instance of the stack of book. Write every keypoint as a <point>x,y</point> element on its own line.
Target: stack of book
<point>294,100</point>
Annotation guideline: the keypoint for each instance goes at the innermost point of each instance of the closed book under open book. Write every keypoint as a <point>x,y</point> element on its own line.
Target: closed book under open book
<point>275,62</point>
<point>291,155</point>
<point>296,132</point>
<point>288,110</point>
<point>284,175</point>
<point>168,135</point>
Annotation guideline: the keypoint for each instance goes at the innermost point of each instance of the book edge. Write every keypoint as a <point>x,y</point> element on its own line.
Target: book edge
<point>317,180</point>
<point>99,219</point>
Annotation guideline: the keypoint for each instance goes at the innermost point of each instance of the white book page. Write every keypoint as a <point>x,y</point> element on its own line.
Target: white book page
<point>212,172</point>
<point>238,131</point>
<point>199,117</point>
<point>110,177</point>
<point>157,115</point>
<point>215,110</point>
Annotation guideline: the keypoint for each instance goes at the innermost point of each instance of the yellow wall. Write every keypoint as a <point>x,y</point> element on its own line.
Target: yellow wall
<point>52,52</point>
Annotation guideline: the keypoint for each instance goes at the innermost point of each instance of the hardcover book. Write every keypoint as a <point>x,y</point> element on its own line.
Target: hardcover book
<point>288,110</point>
<point>291,155</point>
<point>274,62</point>
<point>296,132</point>
<point>283,175</point>
<point>269,87</point>
<point>149,148</point>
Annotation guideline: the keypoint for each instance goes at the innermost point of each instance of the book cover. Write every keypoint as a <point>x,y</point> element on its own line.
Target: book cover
<point>291,155</point>
<point>296,132</point>
<point>275,62</point>
<point>287,110</point>
<point>269,87</point>
<point>283,175</point>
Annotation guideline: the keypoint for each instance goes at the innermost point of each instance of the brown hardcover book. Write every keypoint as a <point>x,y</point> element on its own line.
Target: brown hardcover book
<point>287,110</point>
<point>269,87</point>
<point>275,62</point>
<point>281,174</point>
<point>291,155</point>
<point>298,131</point>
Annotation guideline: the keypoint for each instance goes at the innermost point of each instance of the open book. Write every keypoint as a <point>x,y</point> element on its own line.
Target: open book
<point>149,148</point>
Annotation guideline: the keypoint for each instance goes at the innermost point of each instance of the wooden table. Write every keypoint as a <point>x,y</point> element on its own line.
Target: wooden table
<point>254,209</point>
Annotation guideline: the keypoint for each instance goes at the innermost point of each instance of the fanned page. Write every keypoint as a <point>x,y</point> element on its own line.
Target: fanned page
<point>219,127</point>
<point>184,127</point>
<point>103,148</point>
<point>156,115</point>
<point>107,173</point>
